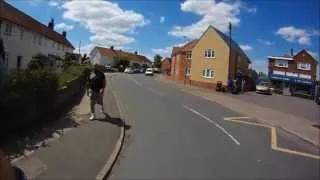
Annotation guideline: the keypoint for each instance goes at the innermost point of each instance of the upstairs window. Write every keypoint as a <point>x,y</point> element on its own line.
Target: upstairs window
<point>52,44</point>
<point>304,66</point>
<point>39,40</point>
<point>34,38</point>
<point>209,53</point>
<point>189,54</point>
<point>21,33</point>
<point>281,63</point>
<point>8,30</point>
<point>188,72</point>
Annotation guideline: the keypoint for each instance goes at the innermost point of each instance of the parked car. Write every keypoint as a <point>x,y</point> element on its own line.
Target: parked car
<point>263,87</point>
<point>149,72</point>
<point>128,70</point>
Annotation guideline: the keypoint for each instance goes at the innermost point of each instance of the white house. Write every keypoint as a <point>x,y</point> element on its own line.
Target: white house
<point>25,37</point>
<point>106,56</point>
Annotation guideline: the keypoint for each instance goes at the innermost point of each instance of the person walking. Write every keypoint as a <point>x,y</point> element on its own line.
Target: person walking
<point>97,84</point>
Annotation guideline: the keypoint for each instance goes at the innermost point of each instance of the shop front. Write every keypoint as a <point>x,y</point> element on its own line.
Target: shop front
<point>295,85</point>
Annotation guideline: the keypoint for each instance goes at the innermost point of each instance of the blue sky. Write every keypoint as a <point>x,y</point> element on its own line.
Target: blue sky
<point>261,27</point>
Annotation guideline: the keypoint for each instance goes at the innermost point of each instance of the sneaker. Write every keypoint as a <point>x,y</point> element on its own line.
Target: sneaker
<point>91,117</point>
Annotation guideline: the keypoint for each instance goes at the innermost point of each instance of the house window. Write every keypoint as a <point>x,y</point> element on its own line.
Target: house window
<point>209,53</point>
<point>305,76</point>
<point>281,63</point>
<point>21,33</point>
<point>19,59</point>
<point>45,42</point>
<point>52,44</point>
<point>34,39</point>
<point>188,72</point>
<point>189,54</point>
<point>6,59</point>
<point>208,73</point>
<point>304,66</point>
<point>39,40</point>
<point>8,30</point>
<point>58,46</point>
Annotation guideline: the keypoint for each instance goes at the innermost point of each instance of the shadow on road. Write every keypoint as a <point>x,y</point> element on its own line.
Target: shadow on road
<point>115,120</point>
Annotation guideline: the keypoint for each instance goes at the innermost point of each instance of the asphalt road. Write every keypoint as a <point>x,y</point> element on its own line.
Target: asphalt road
<point>175,135</point>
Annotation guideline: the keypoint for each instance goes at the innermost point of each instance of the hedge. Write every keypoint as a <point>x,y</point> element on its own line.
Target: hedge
<point>26,101</point>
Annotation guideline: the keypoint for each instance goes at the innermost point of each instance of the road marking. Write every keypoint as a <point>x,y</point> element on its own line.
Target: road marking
<point>135,81</point>
<point>274,138</point>
<point>234,118</point>
<point>216,124</point>
<point>156,92</point>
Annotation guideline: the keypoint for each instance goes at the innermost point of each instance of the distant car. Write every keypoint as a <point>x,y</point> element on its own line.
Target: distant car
<point>149,72</point>
<point>136,71</point>
<point>264,87</point>
<point>128,70</point>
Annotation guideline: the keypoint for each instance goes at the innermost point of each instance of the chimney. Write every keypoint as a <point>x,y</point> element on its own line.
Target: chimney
<point>291,52</point>
<point>111,47</point>
<point>51,24</point>
<point>136,53</point>
<point>64,34</point>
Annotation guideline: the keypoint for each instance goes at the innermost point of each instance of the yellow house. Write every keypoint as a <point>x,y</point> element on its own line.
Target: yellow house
<point>212,61</point>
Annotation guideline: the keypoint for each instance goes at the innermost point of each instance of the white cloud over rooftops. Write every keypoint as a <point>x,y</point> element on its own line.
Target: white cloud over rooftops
<point>296,35</point>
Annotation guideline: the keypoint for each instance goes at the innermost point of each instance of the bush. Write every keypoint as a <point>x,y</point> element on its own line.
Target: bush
<point>71,73</point>
<point>26,98</point>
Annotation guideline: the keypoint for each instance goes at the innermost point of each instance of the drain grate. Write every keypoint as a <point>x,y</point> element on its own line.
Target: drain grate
<point>316,126</point>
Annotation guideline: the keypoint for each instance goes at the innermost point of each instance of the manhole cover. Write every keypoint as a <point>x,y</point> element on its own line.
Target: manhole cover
<point>316,126</point>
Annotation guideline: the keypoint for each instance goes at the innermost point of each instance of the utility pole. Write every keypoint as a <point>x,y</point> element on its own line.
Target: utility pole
<point>230,48</point>
<point>79,46</point>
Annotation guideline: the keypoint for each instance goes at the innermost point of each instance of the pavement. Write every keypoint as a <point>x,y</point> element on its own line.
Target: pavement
<point>80,152</point>
<point>177,135</point>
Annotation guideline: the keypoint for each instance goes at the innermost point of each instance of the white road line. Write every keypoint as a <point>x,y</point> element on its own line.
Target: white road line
<point>216,124</point>
<point>156,92</point>
<point>236,118</point>
<point>136,82</point>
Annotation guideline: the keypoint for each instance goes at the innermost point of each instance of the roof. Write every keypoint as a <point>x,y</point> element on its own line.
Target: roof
<point>234,45</point>
<point>187,47</point>
<point>166,59</point>
<point>131,56</point>
<point>10,13</point>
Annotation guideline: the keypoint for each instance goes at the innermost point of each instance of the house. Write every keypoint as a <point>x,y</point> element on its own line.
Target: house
<point>210,59</point>
<point>107,56</point>
<point>166,66</point>
<point>25,37</point>
<point>295,72</point>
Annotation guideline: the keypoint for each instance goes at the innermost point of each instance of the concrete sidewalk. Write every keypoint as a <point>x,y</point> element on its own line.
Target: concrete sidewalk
<point>80,153</point>
<point>296,125</point>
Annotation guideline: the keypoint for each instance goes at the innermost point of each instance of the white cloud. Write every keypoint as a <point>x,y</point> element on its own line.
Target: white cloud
<point>245,47</point>
<point>63,27</point>
<point>266,42</point>
<point>218,14</point>
<point>53,3</point>
<point>166,51</point>
<point>252,10</point>
<point>109,24</point>
<point>162,19</point>
<point>260,66</point>
<point>292,34</point>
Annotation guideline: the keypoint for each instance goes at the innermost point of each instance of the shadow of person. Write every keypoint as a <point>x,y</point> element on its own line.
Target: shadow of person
<point>114,120</point>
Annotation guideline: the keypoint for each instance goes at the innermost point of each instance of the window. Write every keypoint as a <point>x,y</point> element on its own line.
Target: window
<point>208,73</point>
<point>62,47</point>
<point>19,59</point>
<point>305,76</point>
<point>188,72</point>
<point>52,44</point>
<point>39,40</point>
<point>281,63</point>
<point>209,53</point>
<point>8,30</point>
<point>21,33</point>
<point>0,26</point>
<point>34,38</point>
<point>6,59</point>
<point>58,46</point>
<point>189,54</point>
<point>304,66</point>
<point>45,42</point>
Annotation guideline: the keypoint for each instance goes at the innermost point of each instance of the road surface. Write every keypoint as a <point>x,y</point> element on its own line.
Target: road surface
<point>175,135</point>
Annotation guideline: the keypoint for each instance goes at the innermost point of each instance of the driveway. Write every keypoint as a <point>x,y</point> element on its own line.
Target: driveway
<point>300,107</point>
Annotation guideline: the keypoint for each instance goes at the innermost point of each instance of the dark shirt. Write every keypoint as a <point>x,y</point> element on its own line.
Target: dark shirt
<point>96,81</point>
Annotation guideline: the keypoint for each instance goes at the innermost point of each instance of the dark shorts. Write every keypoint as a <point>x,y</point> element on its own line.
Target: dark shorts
<point>96,97</point>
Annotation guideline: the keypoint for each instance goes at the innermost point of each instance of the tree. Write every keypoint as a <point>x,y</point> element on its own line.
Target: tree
<point>157,61</point>
<point>121,63</point>
<point>136,65</point>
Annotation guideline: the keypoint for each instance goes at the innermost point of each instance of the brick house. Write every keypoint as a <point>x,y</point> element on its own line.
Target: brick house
<point>166,66</point>
<point>297,72</point>
<point>210,59</point>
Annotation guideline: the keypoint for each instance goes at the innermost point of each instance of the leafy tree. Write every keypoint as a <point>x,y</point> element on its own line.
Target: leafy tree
<point>144,66</point>
<point>39,61</point>
<point>157,61</point>
<point>121,63</point>
<point>136,65</point>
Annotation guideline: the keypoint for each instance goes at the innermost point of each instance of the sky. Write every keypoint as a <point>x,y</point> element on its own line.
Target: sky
<point>262,28</point>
